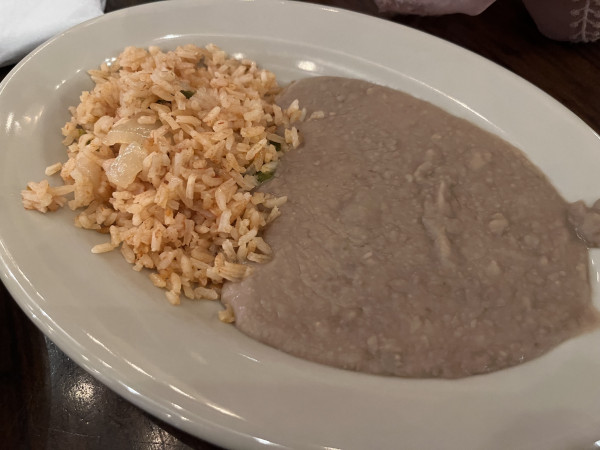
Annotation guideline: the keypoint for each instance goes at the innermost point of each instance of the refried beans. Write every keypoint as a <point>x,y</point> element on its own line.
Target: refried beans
<point>413,243</point>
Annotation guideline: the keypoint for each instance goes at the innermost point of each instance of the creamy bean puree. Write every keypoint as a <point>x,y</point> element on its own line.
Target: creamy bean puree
<point>413,243</point>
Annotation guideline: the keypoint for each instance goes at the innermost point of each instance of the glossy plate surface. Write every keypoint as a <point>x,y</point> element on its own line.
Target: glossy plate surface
<point>184,366</point>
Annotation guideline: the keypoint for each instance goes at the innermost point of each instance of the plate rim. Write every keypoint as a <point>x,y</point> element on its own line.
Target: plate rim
<point>24,293</point>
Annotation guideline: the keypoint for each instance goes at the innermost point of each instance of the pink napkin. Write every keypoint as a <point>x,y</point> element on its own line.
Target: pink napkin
<point>433,7</point>
<point>565,20</point>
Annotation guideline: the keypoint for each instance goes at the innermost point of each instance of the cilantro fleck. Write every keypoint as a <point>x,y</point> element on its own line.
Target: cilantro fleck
<point>188,94</point>
<point>277,145</point>
<point>261,177</point>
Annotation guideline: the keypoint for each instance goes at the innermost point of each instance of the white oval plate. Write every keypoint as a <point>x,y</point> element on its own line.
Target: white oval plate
<point>184,366</point>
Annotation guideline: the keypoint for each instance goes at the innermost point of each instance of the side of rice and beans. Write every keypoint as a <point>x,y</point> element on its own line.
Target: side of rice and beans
<point>410,243</point>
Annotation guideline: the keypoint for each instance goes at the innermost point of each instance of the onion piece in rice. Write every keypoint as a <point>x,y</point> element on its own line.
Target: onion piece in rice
<point>129,131</point>
<point>122,170</point>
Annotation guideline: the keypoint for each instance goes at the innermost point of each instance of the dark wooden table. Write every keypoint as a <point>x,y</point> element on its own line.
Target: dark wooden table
<point>48,402</point>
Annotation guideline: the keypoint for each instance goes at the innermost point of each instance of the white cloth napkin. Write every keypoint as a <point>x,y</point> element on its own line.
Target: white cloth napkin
<point>24,24</point>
